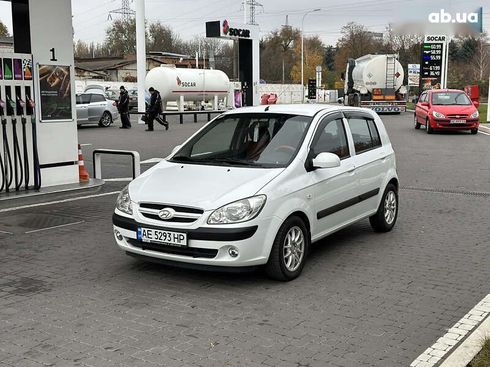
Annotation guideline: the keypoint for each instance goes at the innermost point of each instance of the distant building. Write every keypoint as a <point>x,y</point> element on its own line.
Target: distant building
<point>123,69</point>
<point>7,44</point>
<point>377,36</point>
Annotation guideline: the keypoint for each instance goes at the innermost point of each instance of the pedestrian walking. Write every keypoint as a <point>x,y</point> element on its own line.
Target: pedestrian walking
<point>154,109</point>
<point>123,108</point>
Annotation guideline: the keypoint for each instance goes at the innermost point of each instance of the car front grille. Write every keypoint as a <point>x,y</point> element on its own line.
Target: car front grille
<point>457,116</point>
<point>182,214</point>
<point>194,252</point>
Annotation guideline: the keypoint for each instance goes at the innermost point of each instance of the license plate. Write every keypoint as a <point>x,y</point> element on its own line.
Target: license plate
<point>457,121</point>
<point>162,237</point>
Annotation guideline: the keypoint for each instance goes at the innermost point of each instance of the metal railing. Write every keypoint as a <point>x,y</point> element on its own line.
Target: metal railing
<point>97,157</point>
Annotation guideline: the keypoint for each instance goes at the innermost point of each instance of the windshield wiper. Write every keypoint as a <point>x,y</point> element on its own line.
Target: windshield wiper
<point>233,161</point>
<point>183,158</point>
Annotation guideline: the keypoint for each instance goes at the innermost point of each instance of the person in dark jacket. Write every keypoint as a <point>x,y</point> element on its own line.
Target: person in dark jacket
<point>154,109</point>
<point>123,108</point>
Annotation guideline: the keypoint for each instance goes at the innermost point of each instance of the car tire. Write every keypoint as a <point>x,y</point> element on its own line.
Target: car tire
<point>415,122</point>
<point>294,235</point>
<point>387,214</point>
<point>474,131</point>
<point>428,128</point>
<point>105,120</point>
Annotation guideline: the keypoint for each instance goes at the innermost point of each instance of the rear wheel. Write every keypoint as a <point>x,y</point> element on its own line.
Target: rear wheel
<point>428,128</point>
<point>415,122</point>
<point>385,217</point>
<point>105,120</point>
<point>288,253</point>
<point>474,131</point>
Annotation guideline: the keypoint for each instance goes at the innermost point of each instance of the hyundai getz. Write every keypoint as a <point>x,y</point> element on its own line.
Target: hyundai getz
<point>256,186</point>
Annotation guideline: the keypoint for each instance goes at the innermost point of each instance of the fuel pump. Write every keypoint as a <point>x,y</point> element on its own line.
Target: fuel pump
<point>17,147</point>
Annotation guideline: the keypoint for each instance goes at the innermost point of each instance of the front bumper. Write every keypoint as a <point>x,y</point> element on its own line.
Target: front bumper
<point>445,124</point>
<point>205,245</point>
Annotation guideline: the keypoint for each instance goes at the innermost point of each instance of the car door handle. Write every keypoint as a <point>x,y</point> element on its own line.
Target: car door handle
<point>351,169</point>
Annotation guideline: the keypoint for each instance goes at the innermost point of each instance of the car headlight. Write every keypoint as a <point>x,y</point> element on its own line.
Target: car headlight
<point>438,115</point>
<point>238,211</point>
<point>475,114</point>
<point>123,202</point>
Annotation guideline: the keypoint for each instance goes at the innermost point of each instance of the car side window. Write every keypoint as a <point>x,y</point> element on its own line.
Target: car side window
<point>374,134</point>
<point>361,134</point>
<point>97,98</point>
<point>331,138</point>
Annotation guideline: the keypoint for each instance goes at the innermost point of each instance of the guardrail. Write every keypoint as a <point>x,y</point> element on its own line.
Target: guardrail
<point>182,113</point>
<point>97,157</point>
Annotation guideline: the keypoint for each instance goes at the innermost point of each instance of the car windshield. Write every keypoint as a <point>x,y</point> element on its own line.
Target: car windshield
<point>450,98</point>
<point>260,140</point>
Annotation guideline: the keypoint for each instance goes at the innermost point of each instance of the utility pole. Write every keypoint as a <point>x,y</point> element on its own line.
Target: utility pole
<point>125,11</point>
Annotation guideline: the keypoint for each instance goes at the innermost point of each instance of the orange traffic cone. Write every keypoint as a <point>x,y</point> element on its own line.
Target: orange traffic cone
<point>82,172</point>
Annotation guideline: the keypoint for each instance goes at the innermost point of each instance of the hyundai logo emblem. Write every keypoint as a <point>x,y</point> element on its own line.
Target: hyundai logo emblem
<point>166,213</point>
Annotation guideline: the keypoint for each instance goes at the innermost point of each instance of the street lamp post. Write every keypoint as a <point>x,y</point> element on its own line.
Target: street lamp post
<point>302,52</point>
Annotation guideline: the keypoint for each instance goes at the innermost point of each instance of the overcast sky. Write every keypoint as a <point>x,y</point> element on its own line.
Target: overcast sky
<point>187,17</point>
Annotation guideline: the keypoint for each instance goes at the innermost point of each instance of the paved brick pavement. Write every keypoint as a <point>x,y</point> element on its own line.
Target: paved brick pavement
<point>69,297</point>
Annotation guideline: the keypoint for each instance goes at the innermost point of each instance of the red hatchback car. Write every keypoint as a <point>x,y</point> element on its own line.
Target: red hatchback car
<point>446,109</point>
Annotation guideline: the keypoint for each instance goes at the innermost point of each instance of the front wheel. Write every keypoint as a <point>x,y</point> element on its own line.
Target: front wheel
<point>105,120</point>
<point>288,253</point>
<point>474,131</point>
<point>385,217</point>
<point>415,122</point>
<point>428,128</point>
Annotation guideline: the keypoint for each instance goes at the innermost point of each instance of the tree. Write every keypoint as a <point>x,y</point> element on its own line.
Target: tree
<point>162,38</point>
<point>121,37</point>
<point>4,32</point>
<point>355,41</point>
<point>313,55</point>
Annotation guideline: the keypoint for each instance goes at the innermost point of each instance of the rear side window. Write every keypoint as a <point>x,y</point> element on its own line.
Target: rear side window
<point>364,133</point>
<point>97,98</point>
<point>374,134</point>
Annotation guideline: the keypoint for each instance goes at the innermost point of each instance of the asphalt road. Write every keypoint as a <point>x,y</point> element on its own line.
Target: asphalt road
<point>69,297</point>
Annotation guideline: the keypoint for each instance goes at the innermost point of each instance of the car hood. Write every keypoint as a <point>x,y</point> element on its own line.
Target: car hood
<point>454,110</point>
<point>203,186</point>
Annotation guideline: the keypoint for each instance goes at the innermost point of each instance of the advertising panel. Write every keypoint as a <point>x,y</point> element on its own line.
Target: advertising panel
<point>413,75</point>
<point>54,90</point>
<point>433,62</point>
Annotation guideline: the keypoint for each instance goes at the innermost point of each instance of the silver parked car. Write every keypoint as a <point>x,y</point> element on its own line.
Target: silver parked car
<point>95,108</point>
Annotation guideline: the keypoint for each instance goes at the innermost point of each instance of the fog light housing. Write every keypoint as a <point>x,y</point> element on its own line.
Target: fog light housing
<point>118,235</point>
<point>233,252</point>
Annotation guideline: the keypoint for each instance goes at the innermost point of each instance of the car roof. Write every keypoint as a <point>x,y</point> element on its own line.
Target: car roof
<point>294,109</point>
<point>446,90</point>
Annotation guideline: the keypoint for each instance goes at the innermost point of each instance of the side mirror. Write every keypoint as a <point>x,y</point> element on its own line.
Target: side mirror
<point>425,104</point>
<point>326,160</point>
<point>476,103</point>
<point>342,76</point>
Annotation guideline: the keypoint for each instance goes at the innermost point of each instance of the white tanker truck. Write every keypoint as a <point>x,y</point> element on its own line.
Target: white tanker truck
<point>182,84</point>
<point>376,82</point>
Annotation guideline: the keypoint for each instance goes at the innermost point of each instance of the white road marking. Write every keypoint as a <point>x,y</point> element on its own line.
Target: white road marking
<point>58,201</point>
<point>86,145</point>
<point>454,336</point>
<point>54,227</point>
<point>5,232</point>
<point>120,179</point>
<point>481,132</point>
<point>152,160</point>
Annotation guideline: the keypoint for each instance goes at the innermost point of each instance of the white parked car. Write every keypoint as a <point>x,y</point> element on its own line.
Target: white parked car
<point>95,108</point>
<point>256,186</point>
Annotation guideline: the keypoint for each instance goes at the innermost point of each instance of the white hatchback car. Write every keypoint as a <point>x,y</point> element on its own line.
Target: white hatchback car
<point>255,186</point>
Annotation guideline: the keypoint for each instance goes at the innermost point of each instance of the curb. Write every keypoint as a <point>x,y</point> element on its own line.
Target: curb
<point>457,342</point>
<point>16,198</point>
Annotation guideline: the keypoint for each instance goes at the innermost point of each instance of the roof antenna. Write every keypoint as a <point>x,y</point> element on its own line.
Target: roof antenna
<point>266,109</point>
